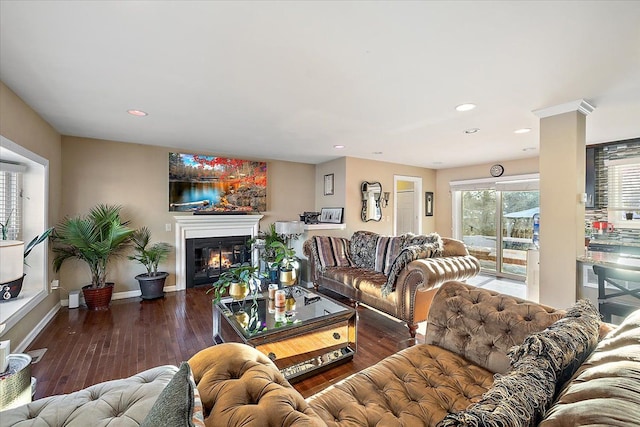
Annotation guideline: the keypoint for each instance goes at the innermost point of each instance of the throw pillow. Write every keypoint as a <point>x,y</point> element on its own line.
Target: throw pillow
<point>387,249</point>
<point>408,254</point>
<point>176,405</point>
<point>332,252</point>
<point>363,249</point>
<point>566,343</point>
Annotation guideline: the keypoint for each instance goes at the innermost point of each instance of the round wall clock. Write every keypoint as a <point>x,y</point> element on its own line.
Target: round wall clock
<point>496,170</point>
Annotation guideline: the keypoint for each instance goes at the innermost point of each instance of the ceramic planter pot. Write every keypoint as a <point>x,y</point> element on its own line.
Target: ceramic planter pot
<point>238,291</point>
<point>152,287</point>
<point>288,277</point>
<point>10,290</point>
<point>98,298</point>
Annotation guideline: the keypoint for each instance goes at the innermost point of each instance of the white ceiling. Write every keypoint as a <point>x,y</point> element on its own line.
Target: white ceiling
<point>288,80</point>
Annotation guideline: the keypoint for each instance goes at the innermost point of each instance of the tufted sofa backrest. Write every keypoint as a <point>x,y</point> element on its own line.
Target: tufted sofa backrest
<point>482,325</point>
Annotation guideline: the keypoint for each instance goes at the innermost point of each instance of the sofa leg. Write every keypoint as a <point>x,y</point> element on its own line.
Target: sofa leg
<point>412,329</point>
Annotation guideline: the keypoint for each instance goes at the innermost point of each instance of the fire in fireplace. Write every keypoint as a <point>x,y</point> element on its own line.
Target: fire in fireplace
<point>207,258</point>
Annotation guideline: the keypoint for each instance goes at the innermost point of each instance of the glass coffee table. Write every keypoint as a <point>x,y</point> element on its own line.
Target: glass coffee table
<point>315,332</point>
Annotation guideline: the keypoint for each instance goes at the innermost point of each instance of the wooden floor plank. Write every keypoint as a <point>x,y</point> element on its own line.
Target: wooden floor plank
<point>85,347</point>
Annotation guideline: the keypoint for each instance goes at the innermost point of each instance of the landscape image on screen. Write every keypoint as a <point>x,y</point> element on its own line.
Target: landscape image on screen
<point>208,184</point>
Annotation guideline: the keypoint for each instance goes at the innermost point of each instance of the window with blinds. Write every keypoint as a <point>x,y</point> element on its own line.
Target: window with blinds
<point>624,188</point>
<point>11,200</point>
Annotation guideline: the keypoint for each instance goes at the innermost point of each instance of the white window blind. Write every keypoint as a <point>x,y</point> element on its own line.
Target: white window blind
<point>624,184</point>
<point>10,199</point>
<point>530,182</point>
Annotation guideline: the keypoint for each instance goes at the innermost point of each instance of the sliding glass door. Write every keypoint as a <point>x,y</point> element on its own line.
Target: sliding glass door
<point>495,220</point>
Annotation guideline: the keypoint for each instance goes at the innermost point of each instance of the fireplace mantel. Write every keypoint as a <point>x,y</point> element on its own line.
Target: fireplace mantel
<point>195,226</point>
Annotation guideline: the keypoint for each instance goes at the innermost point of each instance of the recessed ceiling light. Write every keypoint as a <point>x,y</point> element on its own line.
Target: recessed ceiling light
<point>436,163</point>
<point>523,130</point>
<point>138,113</point>
<point>529,149</point>
<point>465,107</point>
<point>338,147</point>
<point>377,152</point>
<point>472,130</point>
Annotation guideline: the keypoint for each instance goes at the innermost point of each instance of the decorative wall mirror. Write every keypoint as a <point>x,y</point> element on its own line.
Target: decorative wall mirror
<point>371,194</point>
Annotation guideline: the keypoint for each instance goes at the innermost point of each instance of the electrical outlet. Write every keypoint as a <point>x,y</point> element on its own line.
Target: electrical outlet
<point>55,284</point>
<point>167,227</point>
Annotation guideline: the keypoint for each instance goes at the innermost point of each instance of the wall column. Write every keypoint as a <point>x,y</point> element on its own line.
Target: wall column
<point>562,186</point>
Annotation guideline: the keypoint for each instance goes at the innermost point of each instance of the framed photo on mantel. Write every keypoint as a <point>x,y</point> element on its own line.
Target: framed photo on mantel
<point>328,184</point>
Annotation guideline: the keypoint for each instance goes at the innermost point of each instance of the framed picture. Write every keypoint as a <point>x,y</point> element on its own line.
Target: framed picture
<point>428,203</point>
<point>331,215</point>
<point>328,184</point>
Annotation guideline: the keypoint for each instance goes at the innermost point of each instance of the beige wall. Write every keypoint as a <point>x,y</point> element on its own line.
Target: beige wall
<point>136,177</point>
<point>442,207</point>
<point>359,170</point>
<point>20,124</point>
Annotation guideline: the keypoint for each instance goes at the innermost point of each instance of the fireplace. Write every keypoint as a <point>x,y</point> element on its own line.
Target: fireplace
<point>190,227</point>
<point>208,257</point>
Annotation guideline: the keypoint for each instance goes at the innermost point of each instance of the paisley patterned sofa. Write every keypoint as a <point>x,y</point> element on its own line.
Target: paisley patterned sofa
<point>394,274</point>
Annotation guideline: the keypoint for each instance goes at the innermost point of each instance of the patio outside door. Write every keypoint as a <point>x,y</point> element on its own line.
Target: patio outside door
<point>497,226</point>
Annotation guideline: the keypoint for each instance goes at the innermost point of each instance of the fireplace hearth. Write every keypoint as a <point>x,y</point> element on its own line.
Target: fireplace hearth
<point>207,258</point>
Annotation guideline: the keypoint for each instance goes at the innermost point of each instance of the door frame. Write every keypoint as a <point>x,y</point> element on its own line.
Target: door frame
<point>417,200</point>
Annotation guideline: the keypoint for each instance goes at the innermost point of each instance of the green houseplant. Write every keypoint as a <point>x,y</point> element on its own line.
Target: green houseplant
<point>285,258</point>
<point>237,280</point>
<point>264,240</point>
<point>150,256</point>
<point>96,239</point>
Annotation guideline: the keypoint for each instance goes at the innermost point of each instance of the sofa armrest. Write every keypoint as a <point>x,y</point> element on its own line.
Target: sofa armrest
<point>426,275</point>
<point>240,386</point>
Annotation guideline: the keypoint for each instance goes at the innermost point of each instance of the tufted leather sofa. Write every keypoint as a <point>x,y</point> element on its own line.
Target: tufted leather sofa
<point>118,403</point>
<point>470,337</point>
<point>413,287</point>
<point>469,334</point>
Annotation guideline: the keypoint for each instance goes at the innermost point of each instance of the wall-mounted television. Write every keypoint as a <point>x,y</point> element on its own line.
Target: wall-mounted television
<point>209,185</point>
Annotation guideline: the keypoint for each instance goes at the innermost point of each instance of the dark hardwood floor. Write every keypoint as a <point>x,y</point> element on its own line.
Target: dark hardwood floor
<point>86,347</point>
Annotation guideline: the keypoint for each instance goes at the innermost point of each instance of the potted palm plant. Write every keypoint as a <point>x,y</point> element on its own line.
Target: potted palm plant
<point>238,280</point>
<point>150,256</point>
<point>96,239</point>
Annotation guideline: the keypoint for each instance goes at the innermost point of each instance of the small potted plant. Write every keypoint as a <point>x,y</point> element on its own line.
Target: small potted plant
<point>285,258</point>
<point>150,256</point>
<point>264,240</point>
<point>238,280</point>
<point>96,239</point>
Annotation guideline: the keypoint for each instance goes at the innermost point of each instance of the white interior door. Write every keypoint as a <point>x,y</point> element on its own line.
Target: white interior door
<point>406,215</point>
<point>407,192</point>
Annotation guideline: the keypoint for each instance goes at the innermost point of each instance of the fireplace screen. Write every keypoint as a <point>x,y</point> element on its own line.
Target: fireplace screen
<point>209,257</point>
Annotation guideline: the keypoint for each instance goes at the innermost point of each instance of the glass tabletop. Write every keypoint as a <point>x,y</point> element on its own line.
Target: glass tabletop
<point>254,318</point>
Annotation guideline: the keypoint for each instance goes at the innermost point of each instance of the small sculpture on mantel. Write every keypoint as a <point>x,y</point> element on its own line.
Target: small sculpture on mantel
<point>310,217</point>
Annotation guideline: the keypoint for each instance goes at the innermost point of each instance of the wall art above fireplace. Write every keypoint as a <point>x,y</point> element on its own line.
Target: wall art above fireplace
<point>208,184</point>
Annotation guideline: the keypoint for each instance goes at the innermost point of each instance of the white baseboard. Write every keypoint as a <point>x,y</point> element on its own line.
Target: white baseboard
<point>119,295</point>
<point>38,328</point>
